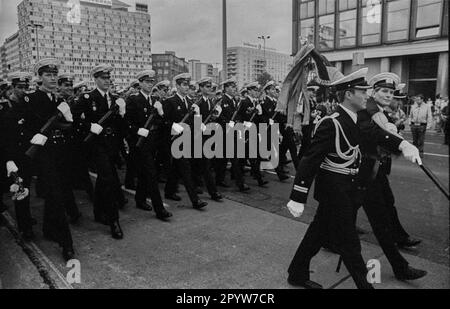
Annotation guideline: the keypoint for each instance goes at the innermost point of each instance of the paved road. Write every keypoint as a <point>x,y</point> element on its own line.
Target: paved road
<point>245,242</point>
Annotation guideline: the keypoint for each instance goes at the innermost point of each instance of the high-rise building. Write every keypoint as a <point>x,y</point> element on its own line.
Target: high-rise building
<point>9,55</point>
<point>168,65</point>
<point>200,70</point>
<point>407,37</point>
<point>98,31</point>
<point>249,62</point>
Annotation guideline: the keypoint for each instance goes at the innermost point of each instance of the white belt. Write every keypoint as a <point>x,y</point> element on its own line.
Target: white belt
<point>340,170</point>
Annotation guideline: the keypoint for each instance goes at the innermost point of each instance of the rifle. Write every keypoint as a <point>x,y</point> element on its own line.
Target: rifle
<point>185,118</point>
<point>32,151</point>
<point>147,125</point>
<point>113,110</point>
<point>211,114</point>
<point>18,190</point>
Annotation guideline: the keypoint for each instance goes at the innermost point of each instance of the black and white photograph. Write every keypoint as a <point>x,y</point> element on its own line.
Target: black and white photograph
<point>224,152</point>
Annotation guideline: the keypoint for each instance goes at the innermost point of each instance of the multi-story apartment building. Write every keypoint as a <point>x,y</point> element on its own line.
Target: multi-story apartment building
<point>407,37</point>
<point>9,55</point>
<point>105,31</point>
<point>247,63</point>
<point>200,70</point>
<point>168,65</point>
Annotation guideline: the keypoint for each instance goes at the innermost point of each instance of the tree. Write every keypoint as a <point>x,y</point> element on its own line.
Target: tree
<point>264,78</point>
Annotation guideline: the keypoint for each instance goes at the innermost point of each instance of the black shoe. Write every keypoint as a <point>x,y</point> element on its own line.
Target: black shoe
<point>173,197</point>
<point>262,182</point>
<point>116,230</point>
<point>283,177</point>
<point>200,204</point>
<point>75,218</point>
<point>144,206</point>
<point>217,197</point>
<point>410,274</point>
<point>68,253</point>
<point>307,284</point>
<point>163,215</point>
<point>222,184</point>
<point>131,187</point>
<point>198,191</point>
<point>244,188</point>
<point>28,235</point>
<point>409,243</point>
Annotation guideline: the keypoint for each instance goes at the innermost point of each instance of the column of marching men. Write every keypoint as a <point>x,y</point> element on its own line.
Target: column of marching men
<point>61,131</point>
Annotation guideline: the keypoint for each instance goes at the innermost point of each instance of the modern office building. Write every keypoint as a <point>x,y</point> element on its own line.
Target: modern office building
<point>248,62</point>
<point>168,65</point>
<point>407,37</point>
<point>9,55</point>
<point>200,70</point>
<point>98,31</point>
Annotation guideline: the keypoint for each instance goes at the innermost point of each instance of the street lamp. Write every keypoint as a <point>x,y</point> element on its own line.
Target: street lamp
<point>264,38</point>
<point>36,27</point>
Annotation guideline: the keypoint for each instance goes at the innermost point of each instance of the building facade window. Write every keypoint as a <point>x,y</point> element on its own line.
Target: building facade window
<point>398,20</point>
<point>428,18</point>
<point>307,20</point>
<point>370,21</point>
<point>347,23</point>
<point>326,32</point>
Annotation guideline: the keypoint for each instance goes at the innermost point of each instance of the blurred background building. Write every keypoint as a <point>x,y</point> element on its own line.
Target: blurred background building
<point>101,31</point>
<point>407,37</point>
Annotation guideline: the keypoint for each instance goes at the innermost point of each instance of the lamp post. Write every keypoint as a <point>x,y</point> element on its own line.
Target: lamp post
<point>36,27</point>
<point>264,38</point>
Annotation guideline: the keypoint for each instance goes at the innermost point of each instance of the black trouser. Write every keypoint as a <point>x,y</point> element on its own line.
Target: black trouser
<point>236,165</point>
<point>80,168</point>
<point>53,161</point>
<point>22,208</point>
<point>181,167</point>
<point>107,187</point>
<point>132,169</point>
<point>334,221</point>
<point>418,134</point>
<point>147,181</point>
<point>379,210</point>
<point>202,170</point>
<point>288,143</point>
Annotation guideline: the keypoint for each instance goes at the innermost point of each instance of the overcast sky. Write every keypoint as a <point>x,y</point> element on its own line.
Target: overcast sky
<point>193,28</point>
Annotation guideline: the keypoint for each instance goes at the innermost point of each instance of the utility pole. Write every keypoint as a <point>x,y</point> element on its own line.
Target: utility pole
<point>264,38</point>
<point>224,40</point>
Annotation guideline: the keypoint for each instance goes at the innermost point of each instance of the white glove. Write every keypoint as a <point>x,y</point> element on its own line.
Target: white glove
<point>203,127</point>
<point>219,110</point>
<point>122,107</point>
<point>248,124</point>
<point>196,109</point>
<point>271,122</point>
<point>391,127</point>
<point>65,111</point>
<point>143,132</point>
<point>410,152</point>
<point>39,140</point>
<point>11,167</point>
<point>259,109</point>
<point>232,124</point>
<point>159,108</point>
<point>296,209</point>
<point>96,128</point>
<point>177,129</point>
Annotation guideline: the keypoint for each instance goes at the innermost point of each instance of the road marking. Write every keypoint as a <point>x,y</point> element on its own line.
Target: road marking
<point>273,173</point>
<point>41,256</point>
<point>436,155</point>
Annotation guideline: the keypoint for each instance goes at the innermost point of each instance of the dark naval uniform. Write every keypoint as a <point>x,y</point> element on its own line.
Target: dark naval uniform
<point>139,109</point>
<point>16,143</point>
<point>105,148</point>
<point>334,157</point>
<point>229,106</point>
<point>175,109</point>
<point>4,107</point>
<point>54,165</point>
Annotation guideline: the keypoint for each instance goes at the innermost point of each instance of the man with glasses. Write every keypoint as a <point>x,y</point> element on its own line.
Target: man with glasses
<point>139,108</point>
<point>105,147</point>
